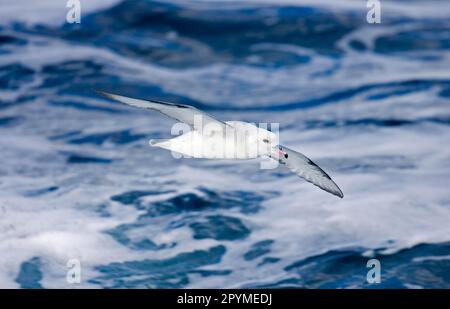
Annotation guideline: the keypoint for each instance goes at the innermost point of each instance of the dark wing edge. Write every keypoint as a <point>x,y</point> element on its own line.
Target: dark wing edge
<point>180,112</point>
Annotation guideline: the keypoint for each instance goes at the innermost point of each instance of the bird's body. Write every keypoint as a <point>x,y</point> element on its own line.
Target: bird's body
<point>209,138</point>
<point>238,141</point>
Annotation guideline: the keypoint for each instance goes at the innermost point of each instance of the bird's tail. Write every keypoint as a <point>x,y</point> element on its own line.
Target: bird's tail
<point>158,141</point>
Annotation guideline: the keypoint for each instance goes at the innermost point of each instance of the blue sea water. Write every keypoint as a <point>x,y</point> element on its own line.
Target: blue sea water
<point>367,102</point>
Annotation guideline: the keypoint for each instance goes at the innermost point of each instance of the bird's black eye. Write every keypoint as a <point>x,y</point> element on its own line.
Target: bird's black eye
<point>265,140</point>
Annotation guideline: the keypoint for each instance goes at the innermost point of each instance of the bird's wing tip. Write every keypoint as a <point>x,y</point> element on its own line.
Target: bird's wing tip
<point>337,191</point>
<point>103,93</point>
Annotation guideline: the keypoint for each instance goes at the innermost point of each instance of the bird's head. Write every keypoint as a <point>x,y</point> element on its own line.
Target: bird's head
<point>267,140</point>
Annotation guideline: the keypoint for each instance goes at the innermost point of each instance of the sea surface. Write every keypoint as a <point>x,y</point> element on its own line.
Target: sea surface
<point>367,102</point>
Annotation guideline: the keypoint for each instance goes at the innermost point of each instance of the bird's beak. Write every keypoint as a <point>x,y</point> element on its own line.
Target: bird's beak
<point>281,153</point>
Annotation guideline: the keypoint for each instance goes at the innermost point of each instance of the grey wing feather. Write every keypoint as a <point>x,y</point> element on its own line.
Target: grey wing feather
<point>180,112</point>
<point>307,169</point>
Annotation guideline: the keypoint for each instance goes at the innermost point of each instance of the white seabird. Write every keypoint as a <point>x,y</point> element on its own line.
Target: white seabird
<point>214,139</point>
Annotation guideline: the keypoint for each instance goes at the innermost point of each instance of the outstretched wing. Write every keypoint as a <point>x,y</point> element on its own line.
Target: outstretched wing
<point>307,169</point>
<point>183,113</point>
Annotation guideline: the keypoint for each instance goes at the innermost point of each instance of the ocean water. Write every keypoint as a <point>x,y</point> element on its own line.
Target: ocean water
<point>367,102</point>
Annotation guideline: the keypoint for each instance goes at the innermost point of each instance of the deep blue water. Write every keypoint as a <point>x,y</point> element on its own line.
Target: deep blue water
<point>369,103</point>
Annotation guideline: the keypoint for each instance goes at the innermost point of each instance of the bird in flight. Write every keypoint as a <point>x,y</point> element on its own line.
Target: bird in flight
<point>211,138</point>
